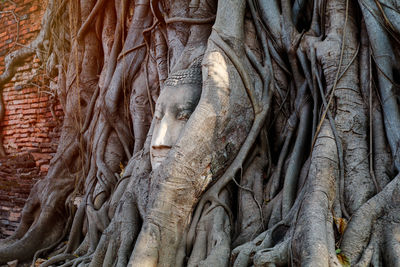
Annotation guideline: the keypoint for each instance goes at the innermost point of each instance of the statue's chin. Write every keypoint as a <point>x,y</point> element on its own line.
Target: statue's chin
<point>157,156</point>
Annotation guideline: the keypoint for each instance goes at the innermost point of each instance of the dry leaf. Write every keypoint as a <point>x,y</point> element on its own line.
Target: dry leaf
<point>122,169</point>
<point>341,224</point>
<point>343,260</point>
<point>39,261</point>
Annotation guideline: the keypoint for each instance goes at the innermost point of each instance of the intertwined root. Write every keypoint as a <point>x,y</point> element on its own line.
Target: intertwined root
<point>281,132</point>
<point>373,226</point>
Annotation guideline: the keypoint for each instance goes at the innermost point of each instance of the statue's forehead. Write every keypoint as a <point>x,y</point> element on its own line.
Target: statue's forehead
<point>180,91</point>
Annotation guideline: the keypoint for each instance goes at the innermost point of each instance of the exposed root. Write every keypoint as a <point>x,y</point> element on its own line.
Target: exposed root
<point>290,209</point>
<point>212,247</point>
<point>278,255</point>
<point>243,255</point>
<point>56,259</point>
<point>373,245</point>
<point>359,228</point>
<point>251,217</point>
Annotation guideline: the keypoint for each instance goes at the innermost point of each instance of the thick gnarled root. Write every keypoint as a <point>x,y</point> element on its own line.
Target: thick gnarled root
<point>276,256</point>
<point>43,223</point>
<point>361,225</point>
<point>212,244</point>
<point>308,236</point>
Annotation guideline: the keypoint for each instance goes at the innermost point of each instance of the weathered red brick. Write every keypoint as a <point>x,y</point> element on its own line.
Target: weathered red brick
<point>44,168</point>
<point>28,124</point>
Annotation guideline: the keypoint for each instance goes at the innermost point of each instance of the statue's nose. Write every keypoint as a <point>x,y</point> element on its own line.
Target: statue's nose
<point>163,137</point>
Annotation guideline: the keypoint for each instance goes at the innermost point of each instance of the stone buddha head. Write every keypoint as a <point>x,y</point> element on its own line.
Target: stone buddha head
<point>176,103</point>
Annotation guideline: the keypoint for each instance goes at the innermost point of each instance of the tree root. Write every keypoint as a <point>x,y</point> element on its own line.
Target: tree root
<point>278,255</point>
<point>212,246</point>
<point>65,232</point>
<point>251,216</point>
<point>359,227</point>
<point>243,255</point>
<point>142,217</point>
<point>391,243</point>
<point>56,259</point>
<point>373,245</point>
<point>214,190</point>
<point>25,248</point>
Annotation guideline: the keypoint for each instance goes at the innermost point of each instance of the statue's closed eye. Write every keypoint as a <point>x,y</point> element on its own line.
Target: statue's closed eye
<point>184,115</point>
<point>158,115</point>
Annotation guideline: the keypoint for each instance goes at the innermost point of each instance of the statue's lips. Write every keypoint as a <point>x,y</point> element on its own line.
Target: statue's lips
<point>158,155</point>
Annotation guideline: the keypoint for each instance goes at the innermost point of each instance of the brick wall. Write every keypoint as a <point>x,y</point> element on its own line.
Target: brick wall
<point>18,173</point>
<point>33,115</point>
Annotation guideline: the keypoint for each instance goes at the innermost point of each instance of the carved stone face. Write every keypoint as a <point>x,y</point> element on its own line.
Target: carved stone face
<point>173,109</point>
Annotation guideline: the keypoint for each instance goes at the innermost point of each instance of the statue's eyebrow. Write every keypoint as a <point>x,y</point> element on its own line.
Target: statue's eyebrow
<point>188,105</point>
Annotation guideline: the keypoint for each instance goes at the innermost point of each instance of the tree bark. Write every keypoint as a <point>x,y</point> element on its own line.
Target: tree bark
<point>288,157</point>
